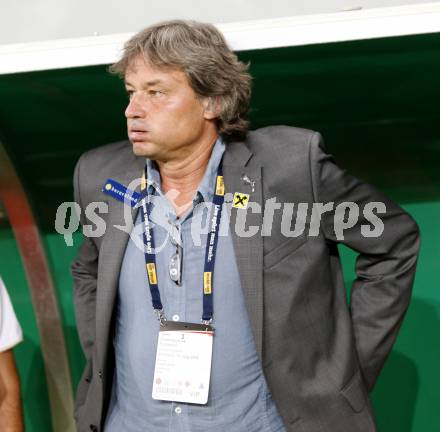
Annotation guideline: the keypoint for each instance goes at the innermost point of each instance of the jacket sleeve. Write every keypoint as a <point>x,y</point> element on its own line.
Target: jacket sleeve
<point>84,271</point>
<point>385,265</point>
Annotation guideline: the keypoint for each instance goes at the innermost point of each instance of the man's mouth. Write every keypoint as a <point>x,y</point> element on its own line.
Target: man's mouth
<point>137,134</point>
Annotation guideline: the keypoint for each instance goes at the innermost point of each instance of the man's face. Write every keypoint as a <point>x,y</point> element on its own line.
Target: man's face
<point>165,119</point>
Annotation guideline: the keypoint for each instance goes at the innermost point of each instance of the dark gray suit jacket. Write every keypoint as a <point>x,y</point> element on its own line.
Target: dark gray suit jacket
<point>320,356</point>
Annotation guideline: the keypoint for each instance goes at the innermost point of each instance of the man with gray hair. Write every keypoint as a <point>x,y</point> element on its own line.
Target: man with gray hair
<point>266,342</point>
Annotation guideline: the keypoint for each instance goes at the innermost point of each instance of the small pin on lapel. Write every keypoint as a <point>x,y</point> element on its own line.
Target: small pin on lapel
<point>240,200</point>
<point>248,181</point>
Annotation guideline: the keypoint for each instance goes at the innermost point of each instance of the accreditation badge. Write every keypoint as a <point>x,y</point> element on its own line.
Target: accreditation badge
<point>183,362</point>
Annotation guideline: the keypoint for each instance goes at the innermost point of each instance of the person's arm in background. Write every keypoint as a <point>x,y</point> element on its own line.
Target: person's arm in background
<point>11,416</point>
<point>385,266</point>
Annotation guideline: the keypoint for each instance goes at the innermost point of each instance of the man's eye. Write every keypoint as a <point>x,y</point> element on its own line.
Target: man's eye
<point>129,94</point>
<point>155,93</point>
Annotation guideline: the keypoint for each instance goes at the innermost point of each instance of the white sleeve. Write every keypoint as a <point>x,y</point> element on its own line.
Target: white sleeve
<point>10,330</point>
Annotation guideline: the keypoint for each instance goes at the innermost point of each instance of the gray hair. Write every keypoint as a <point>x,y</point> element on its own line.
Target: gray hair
<point>212,69</point>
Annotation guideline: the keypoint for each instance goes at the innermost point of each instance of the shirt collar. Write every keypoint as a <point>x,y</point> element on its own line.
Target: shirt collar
<point>205,190</point>
<point>153,177</point>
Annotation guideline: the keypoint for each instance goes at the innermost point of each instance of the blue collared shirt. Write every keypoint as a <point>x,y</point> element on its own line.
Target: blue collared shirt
<point>239,399</point>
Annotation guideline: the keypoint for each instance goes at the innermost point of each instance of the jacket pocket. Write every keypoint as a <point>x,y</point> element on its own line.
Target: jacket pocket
<point>354,392</point>
<point>283,250</point>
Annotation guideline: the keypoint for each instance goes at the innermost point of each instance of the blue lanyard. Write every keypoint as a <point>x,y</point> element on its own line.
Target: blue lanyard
<point>210,253</point>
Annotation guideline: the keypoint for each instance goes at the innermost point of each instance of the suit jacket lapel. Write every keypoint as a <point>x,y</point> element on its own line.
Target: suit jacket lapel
<point>120,221</point>
<point>248,250</point>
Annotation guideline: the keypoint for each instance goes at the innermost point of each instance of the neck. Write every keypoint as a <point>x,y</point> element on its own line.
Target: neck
<point>185,174</point>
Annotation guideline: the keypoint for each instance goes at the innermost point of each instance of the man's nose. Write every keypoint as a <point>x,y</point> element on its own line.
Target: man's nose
<point>135,107</point>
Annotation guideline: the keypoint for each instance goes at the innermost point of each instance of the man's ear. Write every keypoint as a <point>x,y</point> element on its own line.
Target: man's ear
<point>211,107</point>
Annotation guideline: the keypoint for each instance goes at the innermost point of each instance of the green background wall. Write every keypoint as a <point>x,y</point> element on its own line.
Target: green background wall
<point>376,104</point>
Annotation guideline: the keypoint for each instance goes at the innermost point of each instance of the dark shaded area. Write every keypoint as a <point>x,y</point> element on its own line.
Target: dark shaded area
<point>400,388</point>
<point>395,394</point>
<point>33,387</point>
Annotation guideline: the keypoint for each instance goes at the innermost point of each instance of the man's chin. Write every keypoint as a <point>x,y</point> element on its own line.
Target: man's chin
<point>143,149</point>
